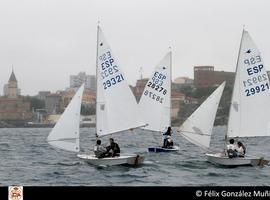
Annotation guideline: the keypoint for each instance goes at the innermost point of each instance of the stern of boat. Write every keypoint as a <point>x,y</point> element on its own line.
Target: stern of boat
<point>222,159</point>
<point>259,162</point>
<point>135,160</point>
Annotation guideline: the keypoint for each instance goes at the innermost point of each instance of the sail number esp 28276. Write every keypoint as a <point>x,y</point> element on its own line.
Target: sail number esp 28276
<point>110,71</point>
<point>155,89</point>
<point>258,81</point>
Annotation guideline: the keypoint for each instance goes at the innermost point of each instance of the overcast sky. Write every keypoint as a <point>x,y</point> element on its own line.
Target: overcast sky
<point>48,40</point>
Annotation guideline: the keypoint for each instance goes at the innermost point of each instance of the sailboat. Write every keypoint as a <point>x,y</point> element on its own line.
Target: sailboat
<point>116,108</point>
<point>248,115</point>
<point>198,127</point>
<point>155,102</point>
<point>66,135</point>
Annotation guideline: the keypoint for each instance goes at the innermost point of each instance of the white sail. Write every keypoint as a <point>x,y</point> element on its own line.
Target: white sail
<point>65,134</point>
<point>117,109</point>
<point>249,115</point>
<point>198,127</point>
<point>155,102</point>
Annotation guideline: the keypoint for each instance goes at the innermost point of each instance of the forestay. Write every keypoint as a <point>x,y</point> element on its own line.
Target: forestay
<point>117,109</point>
<point>198,127</point>
<point>155,102</point>
<point>251,97</point>
<point>65,134</point>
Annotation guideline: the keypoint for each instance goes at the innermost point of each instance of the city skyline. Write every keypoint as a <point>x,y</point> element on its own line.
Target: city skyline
<point>46,41</point>
<point>69,86</point>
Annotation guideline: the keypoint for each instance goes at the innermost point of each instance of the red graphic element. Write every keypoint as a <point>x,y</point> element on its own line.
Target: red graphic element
<point>15,193</point>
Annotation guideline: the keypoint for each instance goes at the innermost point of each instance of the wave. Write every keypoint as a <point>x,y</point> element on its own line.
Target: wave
<point>69,163</point>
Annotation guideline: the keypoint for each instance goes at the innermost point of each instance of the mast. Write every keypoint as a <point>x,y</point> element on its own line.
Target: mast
<point>226,135</point>
<point>97,78</point>
<point>170,97</point>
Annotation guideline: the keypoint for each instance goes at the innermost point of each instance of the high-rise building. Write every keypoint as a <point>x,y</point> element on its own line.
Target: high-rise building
<point>77,80</point>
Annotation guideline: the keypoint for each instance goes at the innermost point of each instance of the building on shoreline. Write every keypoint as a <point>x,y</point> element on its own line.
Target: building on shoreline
<point>11,89</point>
<point>206,76</point>
<point>42,95</point>
<point>177,97</point>
<point>14,108</point>
<point>55,103</point>
<point>183,80</point>
<point>77,80</point>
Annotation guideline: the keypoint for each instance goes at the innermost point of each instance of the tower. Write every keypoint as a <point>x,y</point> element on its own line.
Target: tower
<point>11,89</point>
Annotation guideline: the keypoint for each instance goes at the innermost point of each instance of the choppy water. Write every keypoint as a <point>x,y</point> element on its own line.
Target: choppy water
<point>26,159</point>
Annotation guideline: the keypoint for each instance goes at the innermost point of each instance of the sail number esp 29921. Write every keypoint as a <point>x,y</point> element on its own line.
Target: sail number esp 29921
<point>110,72</point>
<point>258,78</point>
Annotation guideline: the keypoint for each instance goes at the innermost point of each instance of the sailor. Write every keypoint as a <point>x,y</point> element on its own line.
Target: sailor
<point>99,150</point>
<point>113,149</point>
<point>169,143</point>
<point>241,149</point>
<point>167,138</point>
<point>231,149</point>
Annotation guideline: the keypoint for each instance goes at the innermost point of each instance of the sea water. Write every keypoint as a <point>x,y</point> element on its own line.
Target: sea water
<point>27,159</point>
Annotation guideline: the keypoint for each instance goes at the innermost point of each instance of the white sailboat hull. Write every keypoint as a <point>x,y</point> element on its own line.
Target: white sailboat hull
<point>221,159</point>
<point>129,159</point>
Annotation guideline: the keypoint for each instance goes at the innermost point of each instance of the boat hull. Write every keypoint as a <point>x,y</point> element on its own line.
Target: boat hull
<point>160,149</point>
<point>124,159</point>
<point>221,159</point>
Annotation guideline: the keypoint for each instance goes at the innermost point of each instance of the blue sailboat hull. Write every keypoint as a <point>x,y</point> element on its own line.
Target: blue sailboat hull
<point>160,149</point>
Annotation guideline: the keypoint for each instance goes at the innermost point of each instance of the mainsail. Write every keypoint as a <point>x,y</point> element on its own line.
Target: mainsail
<point>198,127</point>
<point>117,109</point>
<point>249,115</point>
<point>155,102</point>
<point>65,134</point>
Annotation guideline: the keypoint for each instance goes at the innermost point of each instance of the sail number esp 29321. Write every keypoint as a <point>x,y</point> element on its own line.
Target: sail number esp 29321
<point>109,71</point>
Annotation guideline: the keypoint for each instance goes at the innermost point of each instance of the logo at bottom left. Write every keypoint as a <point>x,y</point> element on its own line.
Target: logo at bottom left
<point>15,193</point>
